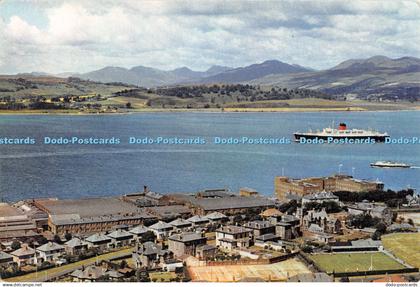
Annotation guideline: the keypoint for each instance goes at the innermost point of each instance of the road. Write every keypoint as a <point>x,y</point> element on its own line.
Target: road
<point>55,272</point>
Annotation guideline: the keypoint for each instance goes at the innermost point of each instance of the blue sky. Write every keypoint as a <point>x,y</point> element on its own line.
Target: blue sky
<point>79,36</point>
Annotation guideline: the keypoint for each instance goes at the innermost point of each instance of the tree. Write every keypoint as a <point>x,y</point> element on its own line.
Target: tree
<point>381,227</point>
<point>307,249</point>
<point>42,240</point>
<point>376,235</point>
<point>15,245</point>
<point>237,219</point>
<point>142,276</point>
<point>68,236</point>
<point>148,236</point>
<point>128,105</point>
<point>289,206</point>
<point>57,239</point>
<point>363,220</point>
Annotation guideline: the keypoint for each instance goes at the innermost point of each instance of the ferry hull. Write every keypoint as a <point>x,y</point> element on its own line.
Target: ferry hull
<point>389,166</point>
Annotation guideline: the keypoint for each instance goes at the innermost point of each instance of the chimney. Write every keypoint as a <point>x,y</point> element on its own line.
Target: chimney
<point>145,189</point>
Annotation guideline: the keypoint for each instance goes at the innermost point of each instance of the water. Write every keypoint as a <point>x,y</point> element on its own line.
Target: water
<point>33,171</point>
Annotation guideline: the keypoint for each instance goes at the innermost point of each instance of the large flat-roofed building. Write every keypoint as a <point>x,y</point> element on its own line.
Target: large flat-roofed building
<point>284,186</point>
<point>90,215</point>
<point>227,205</point>
<point>15,224</point>
<point>356,185</point>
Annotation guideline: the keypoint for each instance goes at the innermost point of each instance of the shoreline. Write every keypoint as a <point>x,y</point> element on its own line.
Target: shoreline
<point>227,110</point>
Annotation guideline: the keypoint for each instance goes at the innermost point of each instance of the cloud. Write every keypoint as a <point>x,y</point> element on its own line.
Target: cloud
<point>86,35</point>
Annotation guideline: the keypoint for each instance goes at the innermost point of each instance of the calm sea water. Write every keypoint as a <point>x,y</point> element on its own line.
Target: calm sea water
<point>71,171</point>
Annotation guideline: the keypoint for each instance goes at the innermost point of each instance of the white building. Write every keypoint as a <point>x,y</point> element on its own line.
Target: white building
<point>231,237</point>
<point>161,229</point>
<point>50,251</point>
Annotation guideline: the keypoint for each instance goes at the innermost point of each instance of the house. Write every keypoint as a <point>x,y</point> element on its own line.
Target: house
<point>120,238</point>
<point>271,213</point>
<point>172,265</point>
<point>185,243</point>
<point>150,255</point>
<point>269,237</point>
<point>284,230</point>
<point>5,259</point>
<point>198,220</point>
<point>114,275</point>
<point>138,232</point>
<point>95,273</point>
<point>24,256</point>
<point>161,229</point>
<point>99,241</point>
<point>293,220</point>
<point>231,237</point>
<point>413,200</point>
<point>260,227</point>
<point>76,246</point>
<point>317,233</point>
<point>329,224</point>
<point>288,226</point>
<point>206,252</point>
<point>50,251</point>
<point>217,217</point>
<point>278,245</point>
<point>373,209</point>
<point>320,197</point>
<point>180,224</point>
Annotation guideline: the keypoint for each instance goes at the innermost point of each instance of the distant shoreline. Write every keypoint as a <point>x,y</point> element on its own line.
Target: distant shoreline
<point>227,110</point>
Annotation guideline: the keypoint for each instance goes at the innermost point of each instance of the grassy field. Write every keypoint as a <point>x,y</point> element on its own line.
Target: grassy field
<point>122,101</point>
<point>405,246</point>
<point>230,273</point>
<point>349,262</point>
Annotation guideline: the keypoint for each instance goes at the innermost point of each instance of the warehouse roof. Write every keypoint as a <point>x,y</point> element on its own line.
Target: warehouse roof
<point>89,207</point>
<point>233,202</point>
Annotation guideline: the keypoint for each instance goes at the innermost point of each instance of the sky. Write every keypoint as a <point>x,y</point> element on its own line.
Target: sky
<point>83,35</point>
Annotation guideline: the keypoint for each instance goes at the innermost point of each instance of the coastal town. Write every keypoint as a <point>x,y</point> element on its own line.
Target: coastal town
<point>335,228</point>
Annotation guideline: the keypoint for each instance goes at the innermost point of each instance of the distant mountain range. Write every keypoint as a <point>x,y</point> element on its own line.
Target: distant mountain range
<point>378,77</point>
<point>374,78</point>
<point>150,77</point>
